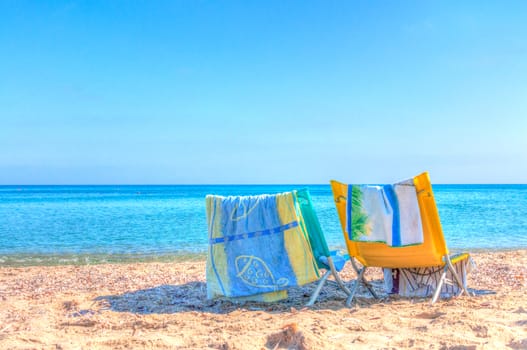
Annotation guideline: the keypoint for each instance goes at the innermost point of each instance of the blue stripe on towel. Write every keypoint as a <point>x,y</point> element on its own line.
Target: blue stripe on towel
<point>254,234</point>
<point>396,224</point>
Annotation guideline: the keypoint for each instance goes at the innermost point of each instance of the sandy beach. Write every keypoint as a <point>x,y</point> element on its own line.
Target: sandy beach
<point>164,306</point>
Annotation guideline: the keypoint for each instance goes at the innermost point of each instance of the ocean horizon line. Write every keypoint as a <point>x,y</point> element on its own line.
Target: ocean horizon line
<point>244,184</point>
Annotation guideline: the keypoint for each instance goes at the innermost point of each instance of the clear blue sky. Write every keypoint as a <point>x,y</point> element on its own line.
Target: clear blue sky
<point>128,92</point>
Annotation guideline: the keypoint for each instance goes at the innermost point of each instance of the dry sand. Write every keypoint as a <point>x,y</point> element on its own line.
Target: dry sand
<point>164,306</point>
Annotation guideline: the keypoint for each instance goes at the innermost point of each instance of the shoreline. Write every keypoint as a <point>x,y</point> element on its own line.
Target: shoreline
<point>163,305</point>
<point>29,260</point>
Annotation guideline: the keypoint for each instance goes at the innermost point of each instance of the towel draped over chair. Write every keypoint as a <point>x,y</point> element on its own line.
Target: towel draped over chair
<point>257,247</point>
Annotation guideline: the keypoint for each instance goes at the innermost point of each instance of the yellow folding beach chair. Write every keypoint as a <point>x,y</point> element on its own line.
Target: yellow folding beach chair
<point>433,252</point>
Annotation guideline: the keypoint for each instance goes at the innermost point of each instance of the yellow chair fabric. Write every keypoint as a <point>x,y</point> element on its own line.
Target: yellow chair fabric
<point>430,253</point>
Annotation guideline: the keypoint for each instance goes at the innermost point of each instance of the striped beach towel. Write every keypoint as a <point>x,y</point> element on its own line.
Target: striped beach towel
<point>257,247</point>
<point>386,214</point>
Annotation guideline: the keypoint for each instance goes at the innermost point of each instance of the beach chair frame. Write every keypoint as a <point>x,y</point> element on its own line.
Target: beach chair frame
<point>360,280</point>
<point>317,240</point>
<point>432,252</point>
<point>449,266</point>
<point>330,270</point>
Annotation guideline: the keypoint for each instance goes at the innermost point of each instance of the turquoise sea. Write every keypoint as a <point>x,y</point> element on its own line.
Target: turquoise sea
<point>85,224</point>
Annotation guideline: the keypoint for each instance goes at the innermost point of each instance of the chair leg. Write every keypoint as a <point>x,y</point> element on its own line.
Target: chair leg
<point>370,288</point>
<point>355,287</point>
<point>456,277</point>
<point>366,283</point>
<point>315,294</point>
<point>439,285</point>
<point>337,277</point>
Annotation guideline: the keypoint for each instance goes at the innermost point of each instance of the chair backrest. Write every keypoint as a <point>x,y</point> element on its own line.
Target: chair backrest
<point>430,253</point>
<point>317,240</point>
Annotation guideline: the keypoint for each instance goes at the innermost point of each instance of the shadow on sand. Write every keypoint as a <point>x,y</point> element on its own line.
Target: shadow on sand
<point>169,299</point>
